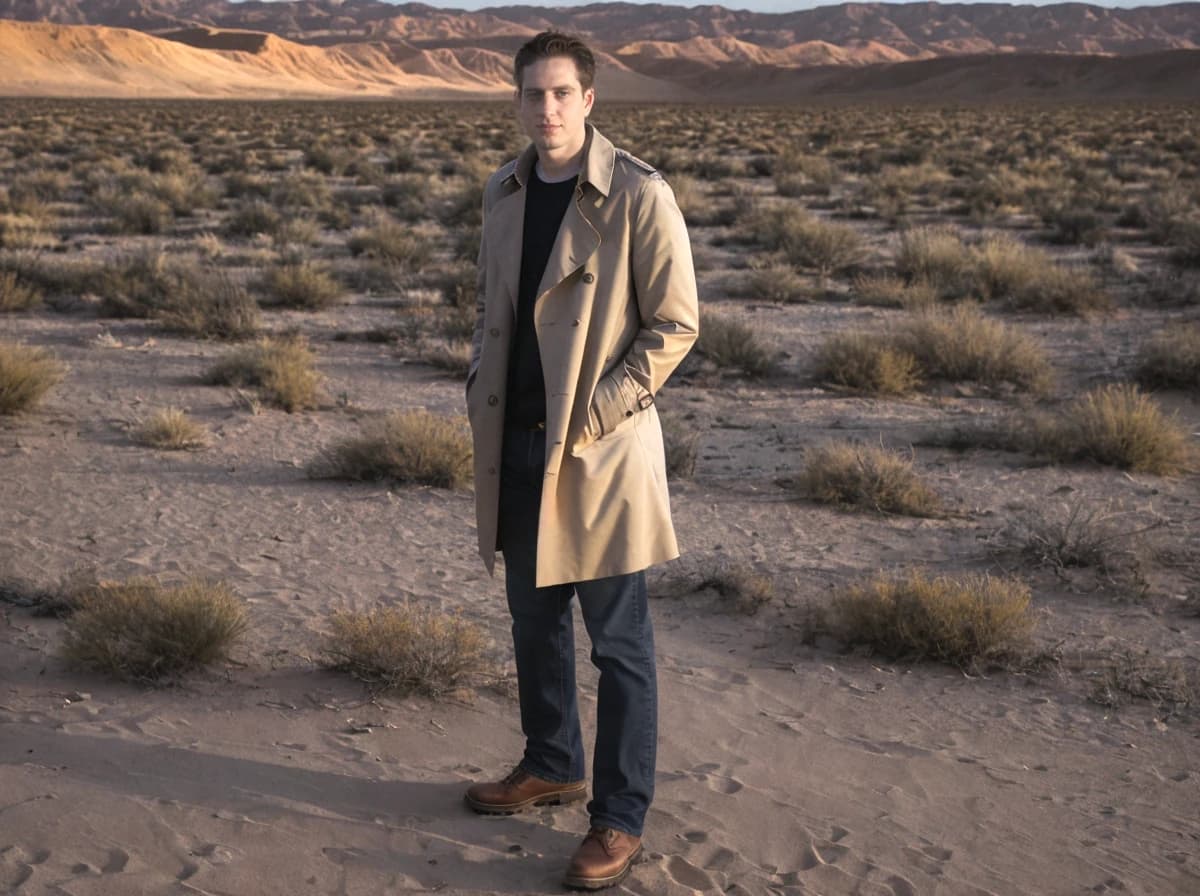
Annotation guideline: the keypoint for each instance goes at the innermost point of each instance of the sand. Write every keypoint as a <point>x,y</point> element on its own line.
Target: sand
<point>785,767</point>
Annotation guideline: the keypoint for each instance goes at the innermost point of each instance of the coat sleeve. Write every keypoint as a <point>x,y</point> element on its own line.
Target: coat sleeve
<point>480,294</point>
<point>664,284</point>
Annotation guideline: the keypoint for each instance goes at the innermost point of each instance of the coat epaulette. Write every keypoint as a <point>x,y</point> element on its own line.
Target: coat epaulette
<point>644,167</point>
<point>505,171</point>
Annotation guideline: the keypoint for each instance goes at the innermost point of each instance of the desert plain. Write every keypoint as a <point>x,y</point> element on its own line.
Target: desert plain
<point>797,756</point>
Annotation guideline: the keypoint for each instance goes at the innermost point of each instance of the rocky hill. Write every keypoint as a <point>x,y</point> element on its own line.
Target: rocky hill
<point>370,48</point>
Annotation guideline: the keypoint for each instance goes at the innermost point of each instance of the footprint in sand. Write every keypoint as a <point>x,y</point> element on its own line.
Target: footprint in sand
<point>813,857</point>
<point>117,860</point>
<point>929,858</point>
<point>694,836</point>
<point>684,872</point>
<point>215,853</point>
<point>726,784</point>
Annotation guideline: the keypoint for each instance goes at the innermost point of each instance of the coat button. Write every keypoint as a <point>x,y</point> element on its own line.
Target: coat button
<point>493,400</point>
<point>495,331</point>
<point>575,322</point>
<point>491,471</point>
<point>589,277</point>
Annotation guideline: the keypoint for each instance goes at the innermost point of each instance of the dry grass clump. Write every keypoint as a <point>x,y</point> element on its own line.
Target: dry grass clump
<point>889,291</point>
<point>936,256</point>
<point>391,242</point>
<point>1171,360</point>
<point>680,443</point>
<point>805,240</point>
<point>16,295</point>
<point>1164,683</point>
<point>412,446</point>
<point>451,355</point>
<point>774,280</point>
<point>26,375</point>
<point>731,344</point>
<point>868,363</point>
<point>745,589</point>
<point>962,343</point>
<point>961,621</point>
<point>171,429</point>
<point>1117,425</point>
<point>142,630</point>
<point>407,649</point>
<point>848,474</point>
<point>302,284</point>
<point>282,369</point>
<point>210,304</point>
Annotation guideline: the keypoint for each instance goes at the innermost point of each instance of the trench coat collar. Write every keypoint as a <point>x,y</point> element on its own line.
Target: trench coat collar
<point>599,158</point>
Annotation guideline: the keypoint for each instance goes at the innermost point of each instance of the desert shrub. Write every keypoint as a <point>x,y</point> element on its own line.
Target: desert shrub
<point>1169,360</point>
<point>393,243</point>
<point>302,191</point>
<point>408,649</point>
<point>853,475</point>
<point>745,588</point>
<point>24,231</point>
<point>961,621</point>
<point>825,247</point>
<point>1027,278</point>
<point>936,256</point>
<point>889,291</point>
<point>282,369</point>
<point>183,190</point>
<point>731,344</point>
<point>171,429</point>
<point>1081,536</point>
<point>453,356</point>
<point>1185,243</point>
<point>26,375</point>
<point>679,444</point>
<point>301,284</point>
<point>142,630</point>
<point>135,212</point>
<point>413,446</point>
<point>964,344</point>
<point>868,363</point>
<point>296,232</point>
<point>1074,223</point>
<point>210,304</point>
<point>139,284</point>
<point>16,295</point>
<point>802,174</point>
<point>1117,425</point>
<point>1162,682</point>
<point>253,218</point>
<point>774,280</point>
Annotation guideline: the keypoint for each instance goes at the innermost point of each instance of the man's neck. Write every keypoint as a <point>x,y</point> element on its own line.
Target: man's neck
<point>551,174</point>
<point>554,170</point>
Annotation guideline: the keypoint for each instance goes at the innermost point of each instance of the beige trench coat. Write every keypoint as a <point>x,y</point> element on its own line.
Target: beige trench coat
<point>616,312</point>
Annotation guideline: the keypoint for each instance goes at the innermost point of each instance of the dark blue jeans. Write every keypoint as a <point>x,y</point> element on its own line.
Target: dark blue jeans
<point>617,618</point>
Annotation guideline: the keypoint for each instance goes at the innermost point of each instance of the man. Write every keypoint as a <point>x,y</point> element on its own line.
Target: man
<point>587,302</point>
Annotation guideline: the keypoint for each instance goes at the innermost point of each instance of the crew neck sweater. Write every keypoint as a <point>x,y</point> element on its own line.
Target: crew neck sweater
<point>545,205</point>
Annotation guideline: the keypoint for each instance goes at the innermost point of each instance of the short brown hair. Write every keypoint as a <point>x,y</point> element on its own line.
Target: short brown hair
<point>549,44</point>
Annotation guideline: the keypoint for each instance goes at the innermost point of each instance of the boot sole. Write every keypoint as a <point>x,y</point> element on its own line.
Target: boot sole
<point>600,883</point>
<point>560,798</point>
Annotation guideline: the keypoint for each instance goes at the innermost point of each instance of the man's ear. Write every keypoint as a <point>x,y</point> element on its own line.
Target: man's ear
<point>589,97</point>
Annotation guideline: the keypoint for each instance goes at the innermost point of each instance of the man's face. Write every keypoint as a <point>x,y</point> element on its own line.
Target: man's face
<point>553,106</point>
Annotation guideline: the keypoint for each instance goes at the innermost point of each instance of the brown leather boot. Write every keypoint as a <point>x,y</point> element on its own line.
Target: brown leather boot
<point>603,859</point>
<point>520,790</point>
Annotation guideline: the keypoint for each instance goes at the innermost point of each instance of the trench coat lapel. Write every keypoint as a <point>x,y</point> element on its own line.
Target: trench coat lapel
<point>505,222</point>
<point>577,240</point>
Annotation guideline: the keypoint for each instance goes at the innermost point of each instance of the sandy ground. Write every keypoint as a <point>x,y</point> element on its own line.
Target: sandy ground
<point>785,766</point>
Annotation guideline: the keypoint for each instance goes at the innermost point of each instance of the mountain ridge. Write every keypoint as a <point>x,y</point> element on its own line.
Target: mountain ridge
<point>653,51</point>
